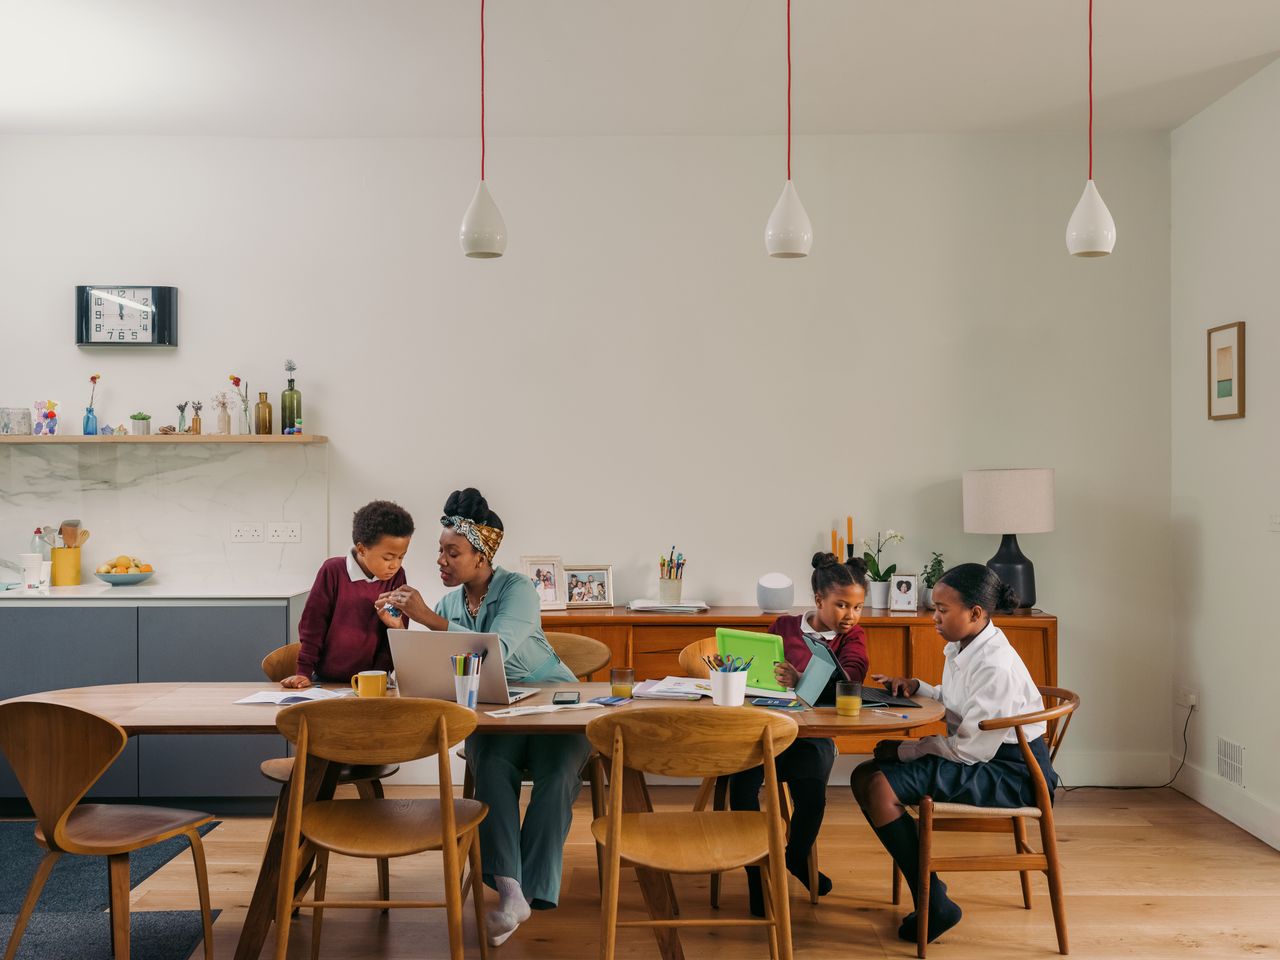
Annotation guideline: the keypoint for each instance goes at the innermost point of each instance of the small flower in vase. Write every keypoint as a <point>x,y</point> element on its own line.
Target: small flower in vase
<point>182,416</point>
<point>90,426</point>
<point>223,404</point>
<point>196,407</point>
<point>242,391</point>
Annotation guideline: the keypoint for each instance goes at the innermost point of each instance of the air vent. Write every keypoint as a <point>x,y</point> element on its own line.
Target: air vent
<point>1231,762</point>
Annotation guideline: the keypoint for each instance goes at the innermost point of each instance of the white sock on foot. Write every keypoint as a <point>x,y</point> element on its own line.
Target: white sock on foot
<point>512,911</point>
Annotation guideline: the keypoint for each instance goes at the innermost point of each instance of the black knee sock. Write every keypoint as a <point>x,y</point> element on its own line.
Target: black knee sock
<point>809,802</point>
<point>902,839</point>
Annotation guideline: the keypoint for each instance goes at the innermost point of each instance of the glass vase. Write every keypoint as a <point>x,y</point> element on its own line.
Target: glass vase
<point>90,426</point>
<point>245,426</point>
<point>262,415</point>
<point>290,407</point>
<point>224,421</point>
<point>195,424</point>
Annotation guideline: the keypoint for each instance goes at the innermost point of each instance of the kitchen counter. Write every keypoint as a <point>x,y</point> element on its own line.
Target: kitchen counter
<point>159,589</point>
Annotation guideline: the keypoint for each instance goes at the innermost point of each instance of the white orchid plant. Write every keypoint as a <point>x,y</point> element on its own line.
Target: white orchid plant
<point>873,551</point>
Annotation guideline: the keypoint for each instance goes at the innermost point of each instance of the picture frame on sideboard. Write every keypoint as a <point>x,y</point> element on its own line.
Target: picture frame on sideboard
<point>546,573</point>
<point>588,585</point>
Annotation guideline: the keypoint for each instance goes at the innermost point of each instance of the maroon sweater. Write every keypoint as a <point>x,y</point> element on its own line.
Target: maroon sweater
<point>339,630</point>
<point>850,648</point>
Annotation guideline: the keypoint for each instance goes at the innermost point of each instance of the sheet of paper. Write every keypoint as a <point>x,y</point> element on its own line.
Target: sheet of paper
<point>542,708</point>
<point>283,696</point>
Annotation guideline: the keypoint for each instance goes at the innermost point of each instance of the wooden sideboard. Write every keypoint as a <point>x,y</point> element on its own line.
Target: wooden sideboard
<point>899,644</point>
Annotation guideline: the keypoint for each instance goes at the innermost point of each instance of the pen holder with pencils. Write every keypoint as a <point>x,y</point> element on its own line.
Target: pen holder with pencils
<point>466,689</point>
<point>669,590</point>
<point>728,687</point>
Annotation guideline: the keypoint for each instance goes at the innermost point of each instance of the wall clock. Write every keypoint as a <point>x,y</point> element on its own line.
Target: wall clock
<point>130,316</point>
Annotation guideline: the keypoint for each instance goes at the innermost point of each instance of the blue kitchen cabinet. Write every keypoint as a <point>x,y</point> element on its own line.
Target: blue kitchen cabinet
<point>54,647</point>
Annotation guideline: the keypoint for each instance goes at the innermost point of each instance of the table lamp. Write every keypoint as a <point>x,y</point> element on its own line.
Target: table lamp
<point>1010,502</point>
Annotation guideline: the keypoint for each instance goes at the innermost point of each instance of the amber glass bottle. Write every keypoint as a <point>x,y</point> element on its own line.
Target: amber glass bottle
<point>262,415</point>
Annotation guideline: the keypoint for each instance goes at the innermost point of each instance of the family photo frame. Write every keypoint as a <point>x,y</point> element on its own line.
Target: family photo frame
<point>589,585</point>
<point>547,575</point>
<point>902,592</point>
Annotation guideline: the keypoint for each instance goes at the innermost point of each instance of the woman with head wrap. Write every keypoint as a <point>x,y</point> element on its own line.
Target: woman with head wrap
<point>521,861</point>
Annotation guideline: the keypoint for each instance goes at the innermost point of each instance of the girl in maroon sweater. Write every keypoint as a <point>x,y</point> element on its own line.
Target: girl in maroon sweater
<point>343,629</point>
<point>839,590</point>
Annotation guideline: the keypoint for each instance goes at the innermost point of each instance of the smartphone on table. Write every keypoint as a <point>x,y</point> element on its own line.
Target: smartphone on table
<point>566,696</point>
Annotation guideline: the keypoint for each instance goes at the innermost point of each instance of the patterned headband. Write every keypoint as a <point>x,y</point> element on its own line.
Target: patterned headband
<point>483,538</point>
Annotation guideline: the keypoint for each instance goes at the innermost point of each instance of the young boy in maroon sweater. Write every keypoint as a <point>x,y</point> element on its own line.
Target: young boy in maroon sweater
<point>839,590</point>
<point>343,630</point>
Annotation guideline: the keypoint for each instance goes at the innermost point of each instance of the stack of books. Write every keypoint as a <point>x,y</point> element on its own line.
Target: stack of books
<point>654,606</point>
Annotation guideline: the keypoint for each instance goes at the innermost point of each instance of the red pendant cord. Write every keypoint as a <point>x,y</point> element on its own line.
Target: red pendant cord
<point>1090,89</point>
<point>482,88</point>
<point>789,88</point>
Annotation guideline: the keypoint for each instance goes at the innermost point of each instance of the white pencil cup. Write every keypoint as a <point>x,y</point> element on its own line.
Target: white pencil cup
<point>466,689</point>
<point>669,590</point>
<point>728,689</point>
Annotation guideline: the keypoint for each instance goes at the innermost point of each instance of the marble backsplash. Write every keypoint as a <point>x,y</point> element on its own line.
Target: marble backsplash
<point>172,505</point>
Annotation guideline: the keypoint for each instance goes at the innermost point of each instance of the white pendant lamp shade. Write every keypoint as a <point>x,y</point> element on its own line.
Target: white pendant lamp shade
<point>788,233</point>
<point>484,233</point>
<point>1091,232</point>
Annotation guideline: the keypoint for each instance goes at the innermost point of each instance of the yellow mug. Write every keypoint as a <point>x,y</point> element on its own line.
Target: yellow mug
<point>370,683</point>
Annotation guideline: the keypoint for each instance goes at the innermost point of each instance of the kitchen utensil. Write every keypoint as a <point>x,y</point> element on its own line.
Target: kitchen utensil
<point>82,539</point>
<point>69,530</point>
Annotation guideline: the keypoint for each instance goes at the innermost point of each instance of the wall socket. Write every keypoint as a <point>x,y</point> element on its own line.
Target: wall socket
<point>246,531</point>
<point>1186,698</point>
<point>284,531</point>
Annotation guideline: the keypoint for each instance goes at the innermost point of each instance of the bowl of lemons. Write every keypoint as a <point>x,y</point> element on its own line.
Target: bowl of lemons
<point>124,571</point>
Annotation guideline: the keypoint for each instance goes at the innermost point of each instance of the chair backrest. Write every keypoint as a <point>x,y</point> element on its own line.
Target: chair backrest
<point>282,662</point>
<point>582,655</point>
<point>1056,728</point>
<point>376,730</point>
<point>688,741</point>
<point>691,664</point>
<point>58,753</point>
<point>1061,710</point>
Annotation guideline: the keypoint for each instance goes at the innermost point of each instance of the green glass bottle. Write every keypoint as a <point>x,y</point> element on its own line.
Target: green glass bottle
<point>290,407</point>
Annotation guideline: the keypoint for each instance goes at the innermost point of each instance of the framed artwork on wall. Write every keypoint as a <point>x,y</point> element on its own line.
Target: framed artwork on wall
<point>1226,371</point>
<point>589,585</point>
<point>547,575</point>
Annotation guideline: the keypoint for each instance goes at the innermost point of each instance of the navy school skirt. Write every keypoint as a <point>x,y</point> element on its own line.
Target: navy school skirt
<point>1003,781</point>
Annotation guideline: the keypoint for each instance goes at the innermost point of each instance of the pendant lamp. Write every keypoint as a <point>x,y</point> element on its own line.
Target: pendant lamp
<point>1091,232</point>
<point>788,234</point>
<point>484,233</point>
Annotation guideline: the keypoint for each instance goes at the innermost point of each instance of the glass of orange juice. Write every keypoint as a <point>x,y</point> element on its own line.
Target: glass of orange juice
<point>848,699</point>
<point>622,680</point>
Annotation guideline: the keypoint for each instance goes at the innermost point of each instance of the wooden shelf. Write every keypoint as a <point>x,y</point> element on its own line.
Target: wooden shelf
<point>304,438</point>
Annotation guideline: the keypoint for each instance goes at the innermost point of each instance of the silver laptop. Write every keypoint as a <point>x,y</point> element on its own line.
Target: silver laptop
<point>424,668</point>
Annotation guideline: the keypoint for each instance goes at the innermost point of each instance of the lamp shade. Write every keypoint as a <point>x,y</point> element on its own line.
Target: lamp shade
<point>483,233</point>
<point>1091,232</point>
<point>1008,501</point>
<point>788,233</point>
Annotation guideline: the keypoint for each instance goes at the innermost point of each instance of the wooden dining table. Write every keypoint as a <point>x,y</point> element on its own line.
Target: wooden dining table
<point>193,708</point>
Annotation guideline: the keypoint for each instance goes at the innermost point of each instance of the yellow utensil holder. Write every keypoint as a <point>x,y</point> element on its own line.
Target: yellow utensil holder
<point>66,567</point>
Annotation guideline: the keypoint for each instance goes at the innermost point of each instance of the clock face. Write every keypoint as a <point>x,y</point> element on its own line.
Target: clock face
<point>121,315</point>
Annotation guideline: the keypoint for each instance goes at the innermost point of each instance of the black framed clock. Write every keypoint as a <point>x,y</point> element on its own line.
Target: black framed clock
<point>124,315</point>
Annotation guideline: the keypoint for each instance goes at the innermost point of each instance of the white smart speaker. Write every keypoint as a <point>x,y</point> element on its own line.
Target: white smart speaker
<point>775,593</point>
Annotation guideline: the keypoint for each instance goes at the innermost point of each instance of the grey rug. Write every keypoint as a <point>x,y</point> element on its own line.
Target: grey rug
<point>153,935</point>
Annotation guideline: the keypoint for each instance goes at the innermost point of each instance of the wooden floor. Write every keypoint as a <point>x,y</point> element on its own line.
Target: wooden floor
<point>1149,874</point>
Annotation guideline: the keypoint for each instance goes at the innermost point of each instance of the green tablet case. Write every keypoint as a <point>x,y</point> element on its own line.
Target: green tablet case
<point>765,647</point>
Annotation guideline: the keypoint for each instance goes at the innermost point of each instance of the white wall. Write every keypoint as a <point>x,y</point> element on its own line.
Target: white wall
<point>636,372</point>
<point>1226,203</point>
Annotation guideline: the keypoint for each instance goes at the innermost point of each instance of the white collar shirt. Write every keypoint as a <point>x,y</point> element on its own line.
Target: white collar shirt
<point>807,628</point>
<point>984,681</point>
<point>355,573</point>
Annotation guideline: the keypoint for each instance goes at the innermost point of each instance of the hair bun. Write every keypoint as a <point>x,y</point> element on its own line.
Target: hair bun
<point>1009,599</point>
<point>821,560</point>
<point>859,568</point>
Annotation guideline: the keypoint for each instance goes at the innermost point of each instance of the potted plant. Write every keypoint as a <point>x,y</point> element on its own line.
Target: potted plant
<point>141,425</point>
<point>930,576</point>
<point>880,577</point>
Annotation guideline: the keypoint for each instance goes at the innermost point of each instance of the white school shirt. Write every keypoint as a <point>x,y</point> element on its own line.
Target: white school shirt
<point>985,680</point>
<point>354,572</point>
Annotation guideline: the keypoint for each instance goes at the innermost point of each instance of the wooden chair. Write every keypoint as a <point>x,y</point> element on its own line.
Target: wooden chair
<point>583,656</point>
<point>58,753</point>
<point>689,742</point>
<point>1055,733</point>
<point>940,816</point>
<point>714,790</point>
<point>280,664</point>
<point>383,730</point>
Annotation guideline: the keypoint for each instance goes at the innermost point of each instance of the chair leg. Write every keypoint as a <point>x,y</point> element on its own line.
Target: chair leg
<point>719,802</point>
<point>1020,846</point>
<point>317,915</point>
<point>202,890</point>
<point>609,902</point>
<point>468,783</point>
<point>781,907</point>
<point>29,904</point>
<point>767,892</point>
<point>703,797</point>
<point>925,821</point>
<point>1049,839</point>
<point>595,778</point>
<point>477,892</point>
<point>897,882</point>
<point>118,869</point>
<point>372,790</point>
<point>453,900</point>
<point>289,856</point>
<point>813,874</point>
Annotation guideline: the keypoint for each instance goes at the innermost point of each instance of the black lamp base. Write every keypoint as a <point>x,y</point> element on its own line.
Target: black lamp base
<point>1016,570</point>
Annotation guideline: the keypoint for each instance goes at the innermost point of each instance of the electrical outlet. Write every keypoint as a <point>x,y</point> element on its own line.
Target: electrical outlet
<point>284,531</point>
<point>1186,698</point>
<point>246,531</point>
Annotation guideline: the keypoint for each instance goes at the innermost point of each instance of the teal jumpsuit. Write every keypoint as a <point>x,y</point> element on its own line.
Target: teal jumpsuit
<point>532,853</point>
